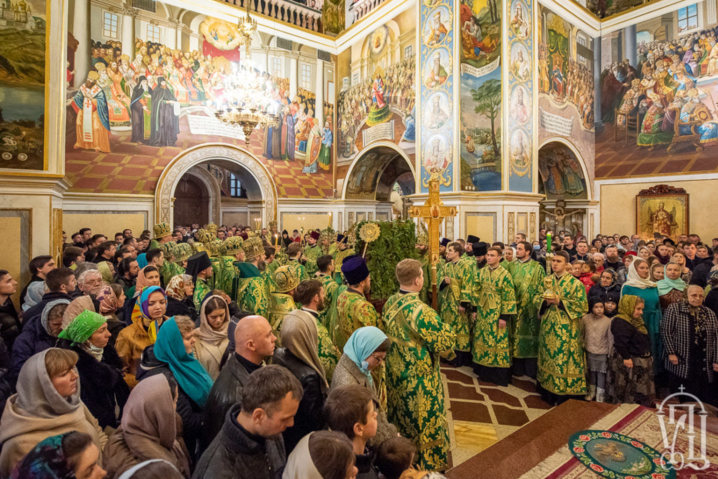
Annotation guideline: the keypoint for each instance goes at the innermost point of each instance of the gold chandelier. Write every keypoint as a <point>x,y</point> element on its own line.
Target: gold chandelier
<point>245,101</point>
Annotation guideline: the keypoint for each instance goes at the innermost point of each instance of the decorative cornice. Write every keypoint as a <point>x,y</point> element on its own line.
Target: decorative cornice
<point>662,190</point>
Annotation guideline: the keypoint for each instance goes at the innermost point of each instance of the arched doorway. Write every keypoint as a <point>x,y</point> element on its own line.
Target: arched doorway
<point>258,197</point>
<point>192,201</point>
<point>384,174</point>
<point>563,179</point>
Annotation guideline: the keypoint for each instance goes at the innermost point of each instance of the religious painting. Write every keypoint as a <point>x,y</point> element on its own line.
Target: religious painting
<point>481,132</point>
<point>437,69</point>
<point>436,30</point>
<point>560,173</point>
<point>520,109</point>
<point>520,20</point>
<point>22,84</point>
<point>520,152</point>
<point>379,105</point>
<point>437,154</point>
<point>436,112</point>
<point>565,85</point>
<point>520,61</point>
<point>333,16</point>
<point>658,106</point>
<point>480,22</point>
<point>142,102</point>
<point>606,8</point>
<point>662,210</point>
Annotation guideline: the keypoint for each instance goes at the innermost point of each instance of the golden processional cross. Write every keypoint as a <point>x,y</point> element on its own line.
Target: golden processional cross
<point>433,212</point>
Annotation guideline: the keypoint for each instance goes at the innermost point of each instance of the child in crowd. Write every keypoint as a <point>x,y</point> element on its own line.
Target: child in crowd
<point>588,273</point>
<point>394,456</point>
<point>597,340</point>
<point>577,268</point>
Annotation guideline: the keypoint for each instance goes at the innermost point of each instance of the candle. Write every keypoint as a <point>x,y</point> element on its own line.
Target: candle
<point>276,240</point>
<point>548,242</point>
<point>330,220</point>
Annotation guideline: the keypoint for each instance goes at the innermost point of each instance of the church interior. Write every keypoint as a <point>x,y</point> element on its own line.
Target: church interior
<point>588,119</point>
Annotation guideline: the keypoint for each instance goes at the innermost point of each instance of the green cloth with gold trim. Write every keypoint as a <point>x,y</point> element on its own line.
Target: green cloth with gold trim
<point>561,366</point>
<point>251,292</point>
<point>299,269</point>
<point>528,277</point>
<point>328,317</point>
<point>354,312</point>
<point>495,296</point>
<point>201,289</point>
<point>450,299</point>
<point>415,402</point>
<point>280,305</point>
<point>312,253</point>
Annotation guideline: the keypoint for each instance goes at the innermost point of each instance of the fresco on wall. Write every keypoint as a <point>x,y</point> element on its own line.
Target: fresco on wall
<point>481,105</point>
<point>520,121</point>
<point>437,86</point>
<point>565,85</point>
<point>662,109</point>
<point>379,105</point>
<point>134,114</point>
<point>22,84</point>
<point>606,8</point>
<point>560,172</point>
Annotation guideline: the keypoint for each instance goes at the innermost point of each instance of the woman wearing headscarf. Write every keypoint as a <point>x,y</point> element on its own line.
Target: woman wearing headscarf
<point>47,403</point>
<point>179,296</point>
<point>690,335</point>
<point>364,352</point>
<point>150,429</point>
<point>110,304</point>
<point>608,291</point>
<point>142,260</point>
<point>107,271</point>
<point>680,258</point>
<point>322,455</point>
<point>148,276</point>
<point>152,469</point>
<point>36,337</point>
<point>34,294</point>
<point>211,336</point>
<point>105,391</point>
<point>147,317</point>
<point>639,284</point>
<point>630,371</point>
<point>300,355</point>
<point>671,287</point>
<point>66,456</point>
<point>172,356</point>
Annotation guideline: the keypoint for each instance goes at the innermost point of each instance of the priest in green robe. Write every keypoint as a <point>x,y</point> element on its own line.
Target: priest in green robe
<point>496,306</point>
<point>251,292</point>
<point>170,268</point>
<point>455,298</point>
<point>281,301</point>
<point>231,252</point>
<point>528,276</point>
<point>271,263</point>
<point>353,309</point>
<point>422,246</point>
<point>561,367</point>
<point>342,252</point>
<point>294,252</point>
<point>312,251</point>
<point>200,268</point>
<point>328,316</point>
<point>162,234</point>
<point>415,403</point>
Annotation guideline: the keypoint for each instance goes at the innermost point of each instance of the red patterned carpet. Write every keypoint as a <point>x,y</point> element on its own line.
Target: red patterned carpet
<point>135,169</point>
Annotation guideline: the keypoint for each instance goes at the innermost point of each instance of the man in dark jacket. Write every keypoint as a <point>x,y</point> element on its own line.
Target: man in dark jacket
<point>250,445</point>
<point>702,269</point>
<point>60,283</point>
<point>40,266</point>
<point>254,342</point>
<point>9,321</point>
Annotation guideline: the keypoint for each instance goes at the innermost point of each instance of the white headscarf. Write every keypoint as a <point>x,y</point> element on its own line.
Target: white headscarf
<point>635,280</point>
<point>300,464</point>
<point>131,472</point>
<point>36,394</point>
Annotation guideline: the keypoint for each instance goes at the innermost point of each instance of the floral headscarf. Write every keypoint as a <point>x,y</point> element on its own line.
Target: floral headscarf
<point>626,307</point>
<point>140,312</point>
<point>109,302</point>
<point>176,287</point>
<point>141,282</point>
<point>45,461</point>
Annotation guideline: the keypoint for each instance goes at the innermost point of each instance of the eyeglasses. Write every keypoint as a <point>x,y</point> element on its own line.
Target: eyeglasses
<point>379,358</point>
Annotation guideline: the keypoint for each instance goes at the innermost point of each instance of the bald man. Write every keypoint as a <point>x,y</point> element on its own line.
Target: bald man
<point>253,344</point>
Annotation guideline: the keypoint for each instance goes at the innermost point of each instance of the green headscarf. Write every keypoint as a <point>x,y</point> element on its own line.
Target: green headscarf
<point>666,284</point>
<point>105,271</point>
<point>82,327</point>
<point>626,307</point>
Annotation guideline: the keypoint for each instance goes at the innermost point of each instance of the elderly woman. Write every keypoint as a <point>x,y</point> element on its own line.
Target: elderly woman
<point>690,336</point>
<point>680,258</point>
<point>639,284</point>
<point>147,317</point>
<point>104,390</point>
<point>69,455</point>
<point>364,352</point>
<point>47,403</point>
<point>211,336</point>
<point>112,298</point>
<point>671,288</point>
<point>630,372</point>
<point>179,296</point>
<point>300,355</point>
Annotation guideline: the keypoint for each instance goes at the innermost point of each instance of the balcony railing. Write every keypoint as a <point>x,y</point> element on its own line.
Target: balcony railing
<point>360,9</point>
<point>287,11</point>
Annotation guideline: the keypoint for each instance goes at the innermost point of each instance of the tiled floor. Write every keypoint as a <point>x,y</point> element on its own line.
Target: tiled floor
<point>481,414</point>
<point>134,169</point>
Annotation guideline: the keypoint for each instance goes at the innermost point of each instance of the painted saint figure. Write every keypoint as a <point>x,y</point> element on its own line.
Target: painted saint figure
<point>164,117</point>
<point>140,105</point>
<point>93,117</point>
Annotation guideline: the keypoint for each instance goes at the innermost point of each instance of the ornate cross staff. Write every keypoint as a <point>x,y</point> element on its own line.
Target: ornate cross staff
<point>433,212</point>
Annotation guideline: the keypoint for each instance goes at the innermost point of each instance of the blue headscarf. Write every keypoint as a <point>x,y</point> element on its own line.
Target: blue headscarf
<point>666,285</point>
<point>189,373</point>
<point>142,260</point>
<point>361,344</point>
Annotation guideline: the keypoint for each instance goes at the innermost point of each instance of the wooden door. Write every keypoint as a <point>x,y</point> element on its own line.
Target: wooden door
<point>191,203</point>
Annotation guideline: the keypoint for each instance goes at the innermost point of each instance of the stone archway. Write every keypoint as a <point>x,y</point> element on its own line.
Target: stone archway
<point>212,188</point>
<point>182,163</point>
<point>371,165</point>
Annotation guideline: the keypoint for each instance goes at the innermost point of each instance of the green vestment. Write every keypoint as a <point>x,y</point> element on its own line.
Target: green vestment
<point>561,368</point>
<point>201,290</point>
<point>354,312</point>
<point>280,305</point>
<point>415,402</point>
<point>269,274</point>
<point>450,298</point>
<point>528,279</point>
<point>228,272</point>
<point>252,295</point>
<point>312,253</point>
<point>339,257</point>
<point>299,269</point>
<point>328,316</point>
<point>496,297</point>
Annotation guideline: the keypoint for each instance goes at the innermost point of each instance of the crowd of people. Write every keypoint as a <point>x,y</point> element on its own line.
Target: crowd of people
<point>223,352</point>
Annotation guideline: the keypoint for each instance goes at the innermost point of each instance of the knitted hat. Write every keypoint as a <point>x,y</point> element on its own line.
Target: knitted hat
<point>355,270</point>
<point>286,279</point>
<point>232,246</point>
<point>253,248</point>
<point>161,230</point>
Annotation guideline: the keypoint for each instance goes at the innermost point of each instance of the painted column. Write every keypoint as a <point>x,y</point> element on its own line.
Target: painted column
<point>128,32</point>
<point>81,31</point>
<point>597,82</point>
<point>629,45</point>
<point>711,16</point>
<point>179,36</point>
<point>319,91</point>
<point>170,36</point>
<point>293,75</point>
